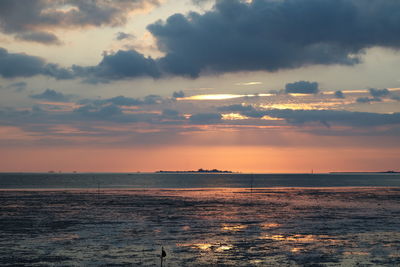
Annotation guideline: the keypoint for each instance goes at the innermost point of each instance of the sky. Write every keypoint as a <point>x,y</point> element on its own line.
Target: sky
<point>262,86</point>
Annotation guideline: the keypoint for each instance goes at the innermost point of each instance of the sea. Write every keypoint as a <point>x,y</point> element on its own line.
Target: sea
<point>198,219</point>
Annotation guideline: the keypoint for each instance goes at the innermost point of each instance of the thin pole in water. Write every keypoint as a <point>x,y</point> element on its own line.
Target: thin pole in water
<point>251,184</point>
<point>162,256</point>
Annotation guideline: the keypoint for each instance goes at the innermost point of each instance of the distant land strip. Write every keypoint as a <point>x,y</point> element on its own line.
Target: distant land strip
<point>198,171</point>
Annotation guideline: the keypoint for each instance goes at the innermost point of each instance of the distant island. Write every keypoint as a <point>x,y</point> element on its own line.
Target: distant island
<point>198,171</point>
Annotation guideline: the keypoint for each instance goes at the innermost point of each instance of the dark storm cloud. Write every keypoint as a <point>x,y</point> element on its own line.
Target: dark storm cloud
<point>273,35</point>
<point>22,65</point>
<point>339,94</point>
<point>302,87</point>
<point>30,20</point>
<point>379,92</point>
<point>51,95</point>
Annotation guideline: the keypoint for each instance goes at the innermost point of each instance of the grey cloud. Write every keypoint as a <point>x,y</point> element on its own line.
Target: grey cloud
<point>39,37</point>
<point>99,112</point>
<point>272,35</point>
<point>325,117</point>
<point>109,113</point>
<point>246,110</point>
<point>234,36</point>
<point>363,100</point>
<point>339,94</point>
<point>360,119</point>
<point>170,113</point>
<point>121,65</point>
<point>236,108</point>
<point>114,113</point>
<point>205,118</point>
<point>379,92</point>
<point>17,86</point>
<point>178,94</point>
<point>46,121</point>
<point>57,72</point>
<point>201,2</point>
<point>302,87</point>
<point>277,92</point>
<point>123,101</point>
<point>153,99</point>
<point>22,65</point>
<point>122,36</point>
<point>31,19</point>
<point>51,95</point>
<point>14,65</point>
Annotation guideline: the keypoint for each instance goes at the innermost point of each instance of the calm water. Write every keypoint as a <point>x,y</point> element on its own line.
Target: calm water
<point>157,180</point>
<point>344,220</point>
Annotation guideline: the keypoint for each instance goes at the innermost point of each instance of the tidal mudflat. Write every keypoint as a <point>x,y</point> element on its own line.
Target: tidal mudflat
<point>201,227</point>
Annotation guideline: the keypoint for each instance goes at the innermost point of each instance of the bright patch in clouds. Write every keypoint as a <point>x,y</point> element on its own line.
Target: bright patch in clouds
<point>234,116</point>
<point>248,83</point>
<point>219,96</point>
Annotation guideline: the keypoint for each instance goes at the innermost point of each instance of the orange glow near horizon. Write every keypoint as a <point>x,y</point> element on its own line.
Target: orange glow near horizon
<point>250,159</point>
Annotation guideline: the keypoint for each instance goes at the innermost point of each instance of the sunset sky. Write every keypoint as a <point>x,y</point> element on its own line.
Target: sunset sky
<point>250,86</point>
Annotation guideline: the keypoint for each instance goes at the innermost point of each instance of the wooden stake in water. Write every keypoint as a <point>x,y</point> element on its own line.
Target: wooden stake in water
<point>162,256</point>
<point>251,184</point>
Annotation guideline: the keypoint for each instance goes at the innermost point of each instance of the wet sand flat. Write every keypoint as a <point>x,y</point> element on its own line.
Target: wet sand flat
<point>201,227</point>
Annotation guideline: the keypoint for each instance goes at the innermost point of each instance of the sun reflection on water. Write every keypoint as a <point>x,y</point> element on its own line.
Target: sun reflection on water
<point>270,225</point>
<point>217,247</point>
<point>202,246</point>
<point>233,228</point>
